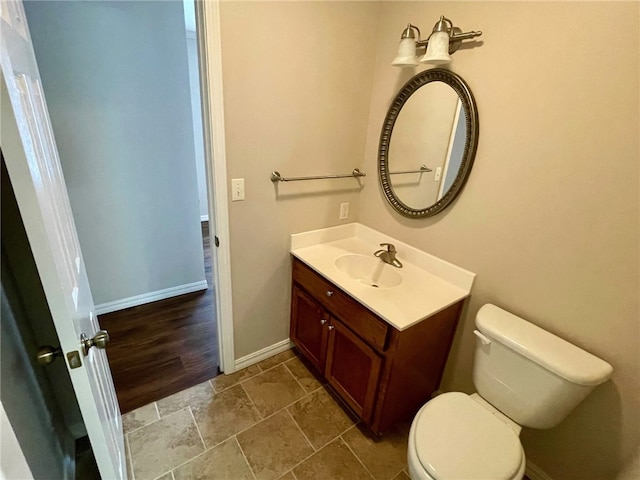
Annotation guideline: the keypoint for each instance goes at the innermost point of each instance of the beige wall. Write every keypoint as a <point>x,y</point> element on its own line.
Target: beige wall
<point>421,136</point>
<point>297,87</point>
<point>549,219</point>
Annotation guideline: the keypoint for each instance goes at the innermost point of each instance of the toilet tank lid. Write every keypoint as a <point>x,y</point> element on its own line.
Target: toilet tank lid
<point>546,349</point>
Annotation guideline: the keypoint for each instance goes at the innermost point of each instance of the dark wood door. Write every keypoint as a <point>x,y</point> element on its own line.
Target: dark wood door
<point>352,369</point>
<point>309,327</point>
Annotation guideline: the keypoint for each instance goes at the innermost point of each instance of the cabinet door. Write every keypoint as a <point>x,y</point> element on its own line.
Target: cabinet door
<point>352,369</point>
<point>309,327</point>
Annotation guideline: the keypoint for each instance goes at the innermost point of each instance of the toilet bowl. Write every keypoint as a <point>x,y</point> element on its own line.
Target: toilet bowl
<point>525,376</point>
<point>453,437</point>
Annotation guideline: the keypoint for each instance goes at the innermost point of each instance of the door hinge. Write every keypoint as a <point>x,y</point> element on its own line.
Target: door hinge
<point>216,240</point>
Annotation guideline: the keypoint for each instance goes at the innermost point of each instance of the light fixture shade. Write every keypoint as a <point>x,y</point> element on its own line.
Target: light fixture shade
<point>406,54</point>
<point>437,50</point>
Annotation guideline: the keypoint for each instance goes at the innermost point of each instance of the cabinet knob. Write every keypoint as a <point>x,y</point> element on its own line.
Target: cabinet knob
<point>323,321</point>
<point>329,293</point>
<point>331,327</point>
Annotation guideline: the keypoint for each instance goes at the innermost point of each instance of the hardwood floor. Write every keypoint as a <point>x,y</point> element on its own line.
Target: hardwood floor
<point>163,347</point>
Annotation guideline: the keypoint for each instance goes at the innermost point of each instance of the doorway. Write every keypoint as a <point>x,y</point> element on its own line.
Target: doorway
<point>137,351</point>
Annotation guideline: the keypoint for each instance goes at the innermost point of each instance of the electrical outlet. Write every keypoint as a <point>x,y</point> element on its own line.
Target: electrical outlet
<point>344,211</point>
<point>237,189</point>
<point>438,174</point>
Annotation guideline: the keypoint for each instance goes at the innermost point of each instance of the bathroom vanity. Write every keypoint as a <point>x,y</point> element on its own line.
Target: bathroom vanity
<point>378,334</point>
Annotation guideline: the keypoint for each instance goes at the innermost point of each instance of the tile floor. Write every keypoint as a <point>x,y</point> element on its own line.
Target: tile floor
<point>274,420</point>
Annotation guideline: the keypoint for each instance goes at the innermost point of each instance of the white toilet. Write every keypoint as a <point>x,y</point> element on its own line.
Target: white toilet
<point>525,376</point>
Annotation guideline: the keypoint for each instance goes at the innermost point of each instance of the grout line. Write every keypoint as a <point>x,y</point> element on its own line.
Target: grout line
<point>240,382</point>
<point>197,428</point>
<point>244,456</point>
<point>277,411</point>
<point>188,461</point>
<point>260,372</point>
<point>201,439</point>
<point>296,424</point>
<point>301,431</point>
<point>398,472</point>
<point>280,410</point>
<point>128,449</point>
<point>160,476</point>
<point>295,378</point>
<point>273,366</point>
<point>199,455</point>
<point>354,454</point>
<point>146,424</point>
<point>307,458</point>
<point>252,404</point>
<point>155,404</point>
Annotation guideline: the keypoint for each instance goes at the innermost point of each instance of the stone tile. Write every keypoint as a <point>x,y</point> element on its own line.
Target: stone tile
<point>163,445</point>
<point>222,382</point>
<point>224,415</point>
<point>224,462</point>
<point>139,417</point>
<point>273,390</point>
<point>271,362</point>
<point>402,476</point>
<point>274,446</point>
<point>320,418</point>
<point>384,457</point>
<point>333,462</point>
<point>198,393</point>
<point>304,375</point>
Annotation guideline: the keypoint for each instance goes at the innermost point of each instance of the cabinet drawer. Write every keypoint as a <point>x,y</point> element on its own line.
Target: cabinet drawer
<point>360,320</point>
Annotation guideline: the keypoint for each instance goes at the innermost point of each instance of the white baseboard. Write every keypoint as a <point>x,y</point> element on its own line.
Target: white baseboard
<point>204,218</point>
<point>150,297</point>
<point>263,354</point>
<point>535,473</point>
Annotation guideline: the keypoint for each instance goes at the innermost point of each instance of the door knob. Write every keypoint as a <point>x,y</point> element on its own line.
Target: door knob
<point>99,340</point>
<point>47,354</point>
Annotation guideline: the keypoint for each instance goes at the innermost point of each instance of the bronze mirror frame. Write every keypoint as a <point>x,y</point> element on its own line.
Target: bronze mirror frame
<point>470,146</point>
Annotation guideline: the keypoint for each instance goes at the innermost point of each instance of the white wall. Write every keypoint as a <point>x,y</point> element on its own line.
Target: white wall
<point>115,76</point>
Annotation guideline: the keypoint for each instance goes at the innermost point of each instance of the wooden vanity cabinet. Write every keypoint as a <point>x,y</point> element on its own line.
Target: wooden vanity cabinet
<point>381,373</point>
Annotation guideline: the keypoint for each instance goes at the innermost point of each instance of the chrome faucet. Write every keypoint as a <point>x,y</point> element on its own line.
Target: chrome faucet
<point>388,255</point>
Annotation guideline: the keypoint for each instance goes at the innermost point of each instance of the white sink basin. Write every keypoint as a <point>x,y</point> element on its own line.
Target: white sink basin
<point>343,255</point>
<point>369,270</point>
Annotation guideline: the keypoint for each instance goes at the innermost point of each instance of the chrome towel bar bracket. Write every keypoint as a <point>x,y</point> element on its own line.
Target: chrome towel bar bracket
<point>276,177</point>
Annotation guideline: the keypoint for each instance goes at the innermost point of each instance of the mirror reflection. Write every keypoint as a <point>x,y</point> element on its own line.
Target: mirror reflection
<point>428,143</point>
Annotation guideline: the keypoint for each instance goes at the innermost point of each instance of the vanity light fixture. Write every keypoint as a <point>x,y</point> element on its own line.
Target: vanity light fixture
<point>443,41</point>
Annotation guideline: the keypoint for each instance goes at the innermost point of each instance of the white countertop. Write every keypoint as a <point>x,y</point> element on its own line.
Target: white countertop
<point>429,284</point>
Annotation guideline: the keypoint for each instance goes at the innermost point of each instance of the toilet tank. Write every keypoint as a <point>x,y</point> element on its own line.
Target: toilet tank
<point>529,374</point>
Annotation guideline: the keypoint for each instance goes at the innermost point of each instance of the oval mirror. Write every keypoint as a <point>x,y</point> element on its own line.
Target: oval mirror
<point>428,143</point>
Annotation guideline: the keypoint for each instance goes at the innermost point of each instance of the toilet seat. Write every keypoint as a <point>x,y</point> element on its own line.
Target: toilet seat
<point>456,438</point>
